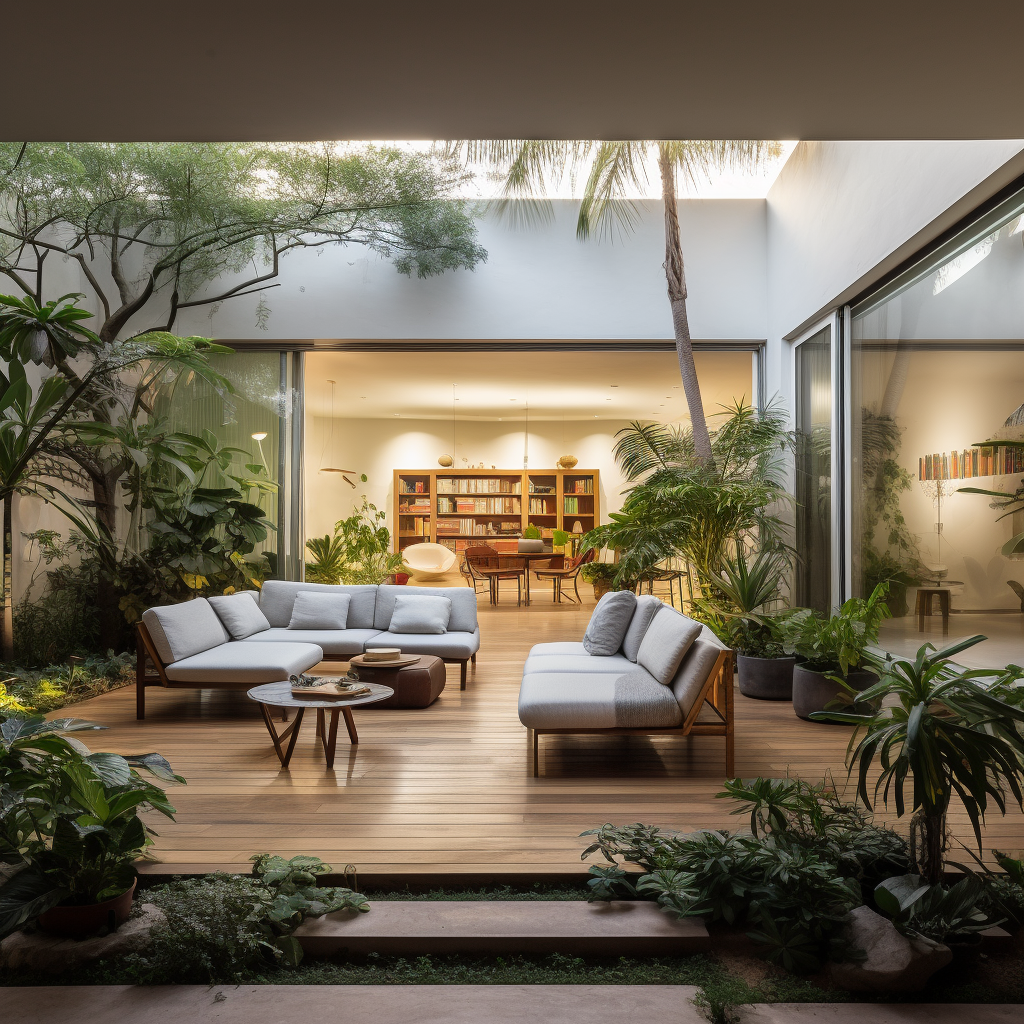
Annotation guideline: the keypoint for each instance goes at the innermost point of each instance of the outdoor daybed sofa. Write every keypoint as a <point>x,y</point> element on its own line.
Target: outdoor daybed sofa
<point>643,669</point>
<point>241,640</point>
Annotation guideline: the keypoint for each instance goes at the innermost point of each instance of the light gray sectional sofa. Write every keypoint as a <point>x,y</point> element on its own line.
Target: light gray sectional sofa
<point>655,671</point>
<point>242,640</point>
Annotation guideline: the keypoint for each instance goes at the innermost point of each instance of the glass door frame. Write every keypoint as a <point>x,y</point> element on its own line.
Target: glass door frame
<point>838,324</point>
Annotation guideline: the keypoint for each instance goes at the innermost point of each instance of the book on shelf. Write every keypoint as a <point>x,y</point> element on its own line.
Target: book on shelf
<point>540,507</point>
<point>583,485</point>
<point>980,460</point>
<point>478,485</point>
<point>479,506</point>
<point>572,506</point>
<point>407,486</point>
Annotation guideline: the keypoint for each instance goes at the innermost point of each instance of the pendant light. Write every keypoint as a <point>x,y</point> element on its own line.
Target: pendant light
<point>329,442</point>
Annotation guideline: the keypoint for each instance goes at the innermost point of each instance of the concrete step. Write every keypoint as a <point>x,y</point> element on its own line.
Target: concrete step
<point>879,1013</point>
<point>621,928</point>
<point>354,1004</point>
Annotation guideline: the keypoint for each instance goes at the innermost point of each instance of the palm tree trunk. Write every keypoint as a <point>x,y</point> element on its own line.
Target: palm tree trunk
<point>676,277</point>
<point>8,572</point>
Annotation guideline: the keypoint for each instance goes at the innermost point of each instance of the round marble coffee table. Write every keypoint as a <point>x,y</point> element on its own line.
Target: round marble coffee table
<point>279,695</point>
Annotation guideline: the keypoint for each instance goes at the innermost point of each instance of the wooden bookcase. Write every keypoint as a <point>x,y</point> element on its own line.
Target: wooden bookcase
<point>460,507</point>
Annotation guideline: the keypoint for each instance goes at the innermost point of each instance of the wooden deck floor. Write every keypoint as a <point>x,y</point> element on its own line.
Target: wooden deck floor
<point>448,788</point>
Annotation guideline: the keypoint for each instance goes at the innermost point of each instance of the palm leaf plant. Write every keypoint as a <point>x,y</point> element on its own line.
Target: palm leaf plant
<point>747,588</point>
<point>679,507</point>
<point>955,732</point>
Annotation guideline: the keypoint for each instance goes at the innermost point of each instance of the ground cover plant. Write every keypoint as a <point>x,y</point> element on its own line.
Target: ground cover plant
<point>24,690</point>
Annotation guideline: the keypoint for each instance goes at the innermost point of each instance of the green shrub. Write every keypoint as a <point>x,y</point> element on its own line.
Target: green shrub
<point>57,686</point>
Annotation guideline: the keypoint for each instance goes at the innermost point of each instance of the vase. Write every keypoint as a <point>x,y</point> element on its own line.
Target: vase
<point>813,690</point>
<point>80,922</point>
<point>765,678</point>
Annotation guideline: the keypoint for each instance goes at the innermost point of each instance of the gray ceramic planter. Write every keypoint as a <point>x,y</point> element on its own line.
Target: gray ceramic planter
<point>765,678</point>
<point>813,690</point>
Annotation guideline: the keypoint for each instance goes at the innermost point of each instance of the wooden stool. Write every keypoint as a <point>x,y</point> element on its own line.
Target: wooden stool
<point>924,606</point>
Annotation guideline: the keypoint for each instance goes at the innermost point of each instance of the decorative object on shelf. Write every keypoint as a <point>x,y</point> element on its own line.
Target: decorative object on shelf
<point>577,527</point>
<point>329,443</point>
<point>568,462</point>
<point>938,490</point>
<point>446,461</point>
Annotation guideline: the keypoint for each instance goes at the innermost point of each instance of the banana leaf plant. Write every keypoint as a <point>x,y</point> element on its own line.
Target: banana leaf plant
<point>1005,501</point>
<point>956,732</point>
<point>69,818</point>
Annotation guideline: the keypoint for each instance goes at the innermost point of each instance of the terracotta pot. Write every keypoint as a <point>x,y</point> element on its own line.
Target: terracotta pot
<point>813,690</point>
<point>601,587</point>
<point>765,678</point>
<point>401,578</point>
<point>80,922</point>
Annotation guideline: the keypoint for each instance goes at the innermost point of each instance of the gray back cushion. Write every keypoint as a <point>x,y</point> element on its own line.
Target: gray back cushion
<point>646,608</point>
<point>181,630</point>
<point>609,623</point>
<point>278,596</point>
<point>320,611</point>
<point>695,668</point>
<point>415,613</point>
<point>463,599</point>
<point>668,637</point>
<point>240,613</point>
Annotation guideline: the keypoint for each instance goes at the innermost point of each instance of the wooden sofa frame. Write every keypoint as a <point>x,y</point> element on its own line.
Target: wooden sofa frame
<point>149,671</point>
<point>717,694</point>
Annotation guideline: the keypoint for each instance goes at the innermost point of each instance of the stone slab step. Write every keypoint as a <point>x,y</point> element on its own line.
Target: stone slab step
<point>880,1013</point>
<point>353,1004</point>
<point>487,927</point>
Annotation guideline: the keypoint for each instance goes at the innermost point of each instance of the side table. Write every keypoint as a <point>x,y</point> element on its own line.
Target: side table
<point>416,685</point>
<point>925,595</point>
<point>279,695</point>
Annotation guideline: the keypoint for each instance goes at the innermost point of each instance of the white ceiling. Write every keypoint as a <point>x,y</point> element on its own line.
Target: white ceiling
<point>336,69</point>
<point>500,385</point>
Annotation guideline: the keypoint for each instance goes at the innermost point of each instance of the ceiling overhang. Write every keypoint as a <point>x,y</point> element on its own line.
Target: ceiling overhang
<point>332,69</point>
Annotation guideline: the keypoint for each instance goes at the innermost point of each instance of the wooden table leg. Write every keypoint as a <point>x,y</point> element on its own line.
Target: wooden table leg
<point>944,608</point>
<point>350,724</point>
<point>284,756</point>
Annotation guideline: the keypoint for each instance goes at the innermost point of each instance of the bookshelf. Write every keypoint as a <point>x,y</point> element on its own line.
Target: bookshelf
<point>461,507</point>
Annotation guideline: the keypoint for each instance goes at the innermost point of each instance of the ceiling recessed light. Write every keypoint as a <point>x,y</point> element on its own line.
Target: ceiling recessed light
<point>613,385</point>
<point>595,415</point>
<point>398,414</point>
<point>675,387</point>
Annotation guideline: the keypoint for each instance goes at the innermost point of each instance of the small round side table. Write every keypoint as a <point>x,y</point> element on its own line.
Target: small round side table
<point>279,695</point>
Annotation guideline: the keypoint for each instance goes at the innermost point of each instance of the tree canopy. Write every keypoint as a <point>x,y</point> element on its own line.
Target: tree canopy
<point>154,225</point>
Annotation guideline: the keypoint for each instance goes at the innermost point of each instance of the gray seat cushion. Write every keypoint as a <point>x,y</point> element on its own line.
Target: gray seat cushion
<point>337,644</point>
<point>646,608</point>
<point>609,623</point>
<point>633,700</point>
<point>277,598</point>
<point>180,630</point>
<point>246,662</point>
<point>559,647</point>
<point>319,611</point>
<point>668,638</point>
<point>559,700</point>
<point>240,613</point>
<point>463,599</point>
<point>458,645</point>
<point>578,664</point>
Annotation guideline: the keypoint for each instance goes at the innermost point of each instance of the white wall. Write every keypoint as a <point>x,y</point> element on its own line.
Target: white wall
<point>840,214</point>
<point>537,283</point>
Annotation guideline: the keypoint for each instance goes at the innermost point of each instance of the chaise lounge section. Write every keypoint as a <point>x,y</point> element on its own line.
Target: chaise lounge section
<point>241,640</point>
<point>655,673</point>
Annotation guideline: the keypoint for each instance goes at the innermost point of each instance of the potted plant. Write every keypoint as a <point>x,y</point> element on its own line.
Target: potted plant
<point>69,822</point>
<point>531,532</point>
<point>764,669</point>
<point>830,650</point>
<point>954,730</point>
<point>559,540</point>
<point>601,575</point>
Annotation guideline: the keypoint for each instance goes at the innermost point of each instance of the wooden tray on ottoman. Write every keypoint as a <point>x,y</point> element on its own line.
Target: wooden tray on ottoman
<point>417,684</point>
<point>360,662</point>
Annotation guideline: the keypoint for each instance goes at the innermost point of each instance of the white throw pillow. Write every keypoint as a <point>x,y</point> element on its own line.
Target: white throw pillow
<point>646,608</point>
<point>316,610</point>
<point>240,614</point>
<point>417,613</point>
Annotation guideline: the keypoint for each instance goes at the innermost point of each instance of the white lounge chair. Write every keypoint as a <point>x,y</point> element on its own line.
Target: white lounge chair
<point>428,561</point>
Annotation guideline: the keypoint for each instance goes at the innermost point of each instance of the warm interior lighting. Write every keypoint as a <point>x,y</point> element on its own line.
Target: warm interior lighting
<point>260,435</point>
<point>329,441</point>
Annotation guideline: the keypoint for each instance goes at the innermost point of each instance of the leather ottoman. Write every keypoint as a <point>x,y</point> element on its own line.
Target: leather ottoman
<point>416,686</point>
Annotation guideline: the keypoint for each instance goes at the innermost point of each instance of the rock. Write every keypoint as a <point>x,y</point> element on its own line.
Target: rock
<point>894,963</point>
<point>37,951</point>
